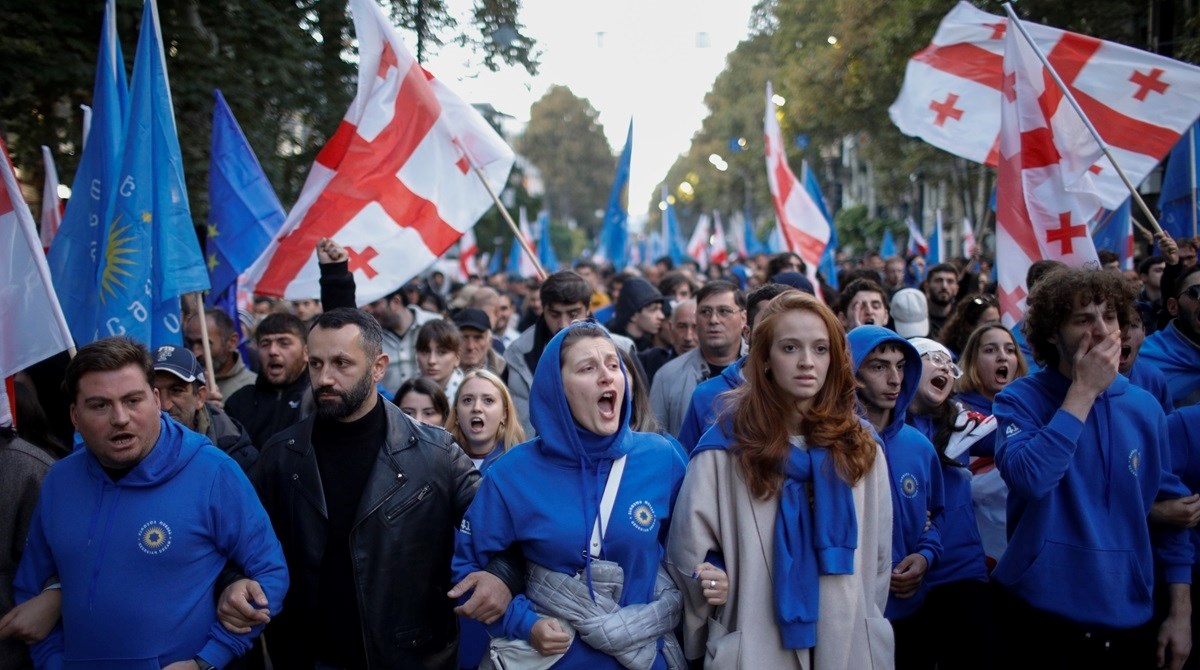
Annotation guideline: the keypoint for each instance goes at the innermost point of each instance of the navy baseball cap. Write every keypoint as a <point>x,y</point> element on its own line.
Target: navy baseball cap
<point>179,362</point>
<point>472,317</point>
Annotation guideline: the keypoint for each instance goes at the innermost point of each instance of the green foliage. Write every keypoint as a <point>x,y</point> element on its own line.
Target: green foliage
<point>565,141</point>
<point>858,232</point>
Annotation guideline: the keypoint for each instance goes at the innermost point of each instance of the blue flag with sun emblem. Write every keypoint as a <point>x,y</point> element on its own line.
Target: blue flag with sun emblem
<point>151,254</point>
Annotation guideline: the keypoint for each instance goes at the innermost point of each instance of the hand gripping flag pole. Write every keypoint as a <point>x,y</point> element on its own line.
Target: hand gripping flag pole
<point>541,271</point>
<point>1070,98</point>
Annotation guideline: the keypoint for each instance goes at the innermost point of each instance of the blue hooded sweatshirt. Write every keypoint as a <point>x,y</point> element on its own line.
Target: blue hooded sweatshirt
<point>703,410</point>
<point>1149,378</point>
<point>1183,426</point>
<point>1079,493</point>
<point>913,468</point>
<point>544,496</point>
<point>1178,358</point>
<point>139,558</point>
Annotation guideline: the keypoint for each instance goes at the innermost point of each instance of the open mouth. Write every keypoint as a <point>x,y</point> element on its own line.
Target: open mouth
<point>608,404</point>
<point>1002,374</point>
<point>476,422</point>
<point>1126,352</point>
<point>940,382</point>
<point>122,440</point>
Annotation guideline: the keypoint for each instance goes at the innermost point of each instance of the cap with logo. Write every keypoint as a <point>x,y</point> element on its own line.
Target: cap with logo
<point>179,362</point>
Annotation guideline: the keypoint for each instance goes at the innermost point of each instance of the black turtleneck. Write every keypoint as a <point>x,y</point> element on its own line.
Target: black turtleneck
<point>346,452</point>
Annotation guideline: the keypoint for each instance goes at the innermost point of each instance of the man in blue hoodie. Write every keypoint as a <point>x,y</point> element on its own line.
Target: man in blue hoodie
<point>1084,454</point>
<point>888,370</point>
<point>138,526</point>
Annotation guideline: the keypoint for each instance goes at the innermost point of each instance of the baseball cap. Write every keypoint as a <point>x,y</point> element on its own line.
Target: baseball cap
<point>910,313</point>
<point>179,362</point>
<point>472,317</point>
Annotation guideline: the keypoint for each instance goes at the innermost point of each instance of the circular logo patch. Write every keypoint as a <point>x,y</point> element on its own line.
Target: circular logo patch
<point>908,485</point>
<point>641,515</point>
<point>154,538</point>
<point>1135,461</point>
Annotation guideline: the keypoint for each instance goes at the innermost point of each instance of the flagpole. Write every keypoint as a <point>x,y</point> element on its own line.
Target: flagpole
<point>1192,172</point>
<point>1070,97</point>
<point>210,374</point>
<point>508,219</point>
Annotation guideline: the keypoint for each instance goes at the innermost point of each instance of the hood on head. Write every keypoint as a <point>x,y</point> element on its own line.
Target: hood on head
<point>863,340</point>
<point>636,293</point>
<point>561,437</point>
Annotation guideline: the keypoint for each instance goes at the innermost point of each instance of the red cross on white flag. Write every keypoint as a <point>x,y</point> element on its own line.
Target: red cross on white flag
<point>1140,102</point>
<point>1045,194</point>
<point>697,246</point>
<point>801,221</point>
<point>394,183</point>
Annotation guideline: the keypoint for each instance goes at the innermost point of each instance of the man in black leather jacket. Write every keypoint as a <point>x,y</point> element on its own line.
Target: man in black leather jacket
<point>365,502</point>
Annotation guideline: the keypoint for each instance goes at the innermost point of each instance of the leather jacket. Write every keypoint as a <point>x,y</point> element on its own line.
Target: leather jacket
<point>402,543</point>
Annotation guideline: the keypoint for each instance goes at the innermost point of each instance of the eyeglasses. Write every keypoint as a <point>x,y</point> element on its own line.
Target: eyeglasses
<point>1193,292</point>
<point>943,361</point>
<point>723,312</point>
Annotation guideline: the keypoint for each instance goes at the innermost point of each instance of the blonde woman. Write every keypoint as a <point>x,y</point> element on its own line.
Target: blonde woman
<point>483,419</point>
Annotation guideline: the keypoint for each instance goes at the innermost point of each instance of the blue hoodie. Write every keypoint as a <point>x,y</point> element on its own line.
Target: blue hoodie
<point>703,410</point>
<point>1149,378</point>
<point>1178,358</point>
<point>1183,426</point>
<point>544,495</point>
<point>139,558</point>
<point>1079,493</point>
<point>913,468</point>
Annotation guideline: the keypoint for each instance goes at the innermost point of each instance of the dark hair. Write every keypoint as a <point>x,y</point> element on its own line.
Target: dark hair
<point>440,332</point>
<point>963,320</point>
<point>565,287</point>
<point>281,324</point>
<point>1149,262</point>
<point>1040,269</point>
<point>1107,256</point>
<point>1181,280</point>
<point>1053,300</point>
<point>370,333</point>
<point>941,267</point>
<point>587,264</point>
<point>860,286</point>
<point>438,299</point>
<point>856,274</point>
<point>221,320</point>
<point>717,287</point>
<point>665,261</point>
<point>427,387</point>
<point>779,262</point>
<point>106,355</point>
<point>671,280</point>
<point>761,296</point>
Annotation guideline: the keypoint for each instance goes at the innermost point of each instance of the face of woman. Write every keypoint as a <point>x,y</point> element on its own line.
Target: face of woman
<point>989,315</point>
<point>997,360</point>
<point>800,356</point>
<point>480,415</point>
<point>437,364</point>
<point>594,384</point>
<point>938,373</point>
<point>420,407</point>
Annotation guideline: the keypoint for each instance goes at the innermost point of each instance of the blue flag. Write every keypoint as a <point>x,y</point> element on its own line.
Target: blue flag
<point>1114,231</point>
<point>935,241</point>
<point>828,266</point>
<point>1177,205</point>
<point>496,265</point>
<point>244,215</point>
<point>150,253</point>
<point>672,237</point>
<point>74,255</point>
<point>614,234</point>
<point>546,255</point>
<point>887,248</point>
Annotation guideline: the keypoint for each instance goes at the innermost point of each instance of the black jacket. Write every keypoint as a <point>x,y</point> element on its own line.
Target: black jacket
<point>265,409</point>
<point>230,437</point>
<point>402,543</point>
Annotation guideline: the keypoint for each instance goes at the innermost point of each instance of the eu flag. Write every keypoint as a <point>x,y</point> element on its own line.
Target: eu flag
<point>676,248</point>
<point>887,248</point>
<point>614,234</point>
<point>150,252</point>
<point>1177,205</point>
<point>74,255</point>
<point>546,255</point>
<point>244,214</point>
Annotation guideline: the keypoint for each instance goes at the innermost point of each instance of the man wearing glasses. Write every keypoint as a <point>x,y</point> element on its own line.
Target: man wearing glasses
<point>1176,349</point>
<point>721,325</point>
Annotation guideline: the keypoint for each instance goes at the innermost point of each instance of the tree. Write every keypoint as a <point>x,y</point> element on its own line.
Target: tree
<point>565,141</point>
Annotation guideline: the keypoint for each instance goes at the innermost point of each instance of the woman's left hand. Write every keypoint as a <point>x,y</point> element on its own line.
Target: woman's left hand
<point>714,583</point>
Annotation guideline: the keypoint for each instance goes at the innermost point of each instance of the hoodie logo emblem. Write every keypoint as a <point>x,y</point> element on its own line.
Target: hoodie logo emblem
<point>465,527</point>
<point>641,515</point>
<point>293,404</point>
<point>154,537</point>
<point>1011,430</point>
<point>1135,461</point>
<point>908,485</point>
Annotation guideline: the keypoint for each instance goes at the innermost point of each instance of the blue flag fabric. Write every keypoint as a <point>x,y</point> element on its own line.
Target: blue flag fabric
<point>244,214</point>
<point>496,265</point>
<point>935,242</point>
<point>1177,204</point>
<point>514,260</point>
<point>151,254</point>
<point>614,234</point>
<point>887,248</point>
<point>546,255</point>
<point>753,245</point>
<point>829,258</point>
<point>74,255</point>
<point>672,237</point>
<point>1114,231</point>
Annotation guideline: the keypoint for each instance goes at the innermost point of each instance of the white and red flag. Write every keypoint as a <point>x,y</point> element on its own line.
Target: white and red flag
<point>804,227</point>
<point>697,246</point>
<point>395,183</point>
<point>968,238</point>
<point>33,327</point>
<point>468,250</point>
<point>1045,195</point>
<point>916,241</point>
<point>718,253</point>
<point>52,205</point>
<point>1140,102</point>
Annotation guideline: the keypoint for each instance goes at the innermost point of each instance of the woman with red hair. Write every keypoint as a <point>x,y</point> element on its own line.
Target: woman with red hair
<point>786,501</point>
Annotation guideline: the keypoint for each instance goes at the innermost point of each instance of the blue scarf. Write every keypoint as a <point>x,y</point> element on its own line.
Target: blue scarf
<point>810,541</point>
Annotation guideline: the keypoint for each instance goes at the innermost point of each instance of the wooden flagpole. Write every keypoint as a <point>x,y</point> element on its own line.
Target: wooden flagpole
<point>508,219</point>
<point>1070,97</point>
<point>209,374</point>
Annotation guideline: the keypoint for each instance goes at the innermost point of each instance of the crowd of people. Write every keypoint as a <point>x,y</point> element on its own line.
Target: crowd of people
<point>649,468</point>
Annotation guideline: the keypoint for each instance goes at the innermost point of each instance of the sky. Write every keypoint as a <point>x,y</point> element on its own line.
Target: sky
<point>652,60</point>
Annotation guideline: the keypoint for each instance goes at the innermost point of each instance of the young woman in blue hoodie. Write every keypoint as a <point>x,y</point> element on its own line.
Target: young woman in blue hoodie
<point>545,496</point>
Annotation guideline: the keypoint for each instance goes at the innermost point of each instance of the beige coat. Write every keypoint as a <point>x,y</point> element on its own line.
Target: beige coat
<point>715,512</point>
